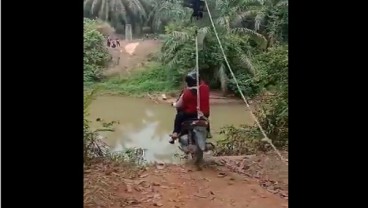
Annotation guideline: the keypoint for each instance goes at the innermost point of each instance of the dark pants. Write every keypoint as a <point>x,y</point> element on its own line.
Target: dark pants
<point>181,117</point>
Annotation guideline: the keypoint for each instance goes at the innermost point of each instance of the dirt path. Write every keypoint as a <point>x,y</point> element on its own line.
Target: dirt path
<point>131,55</point>
<point>176,186</point>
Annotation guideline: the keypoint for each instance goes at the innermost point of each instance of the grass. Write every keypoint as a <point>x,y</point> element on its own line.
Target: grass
<point>152,78</point>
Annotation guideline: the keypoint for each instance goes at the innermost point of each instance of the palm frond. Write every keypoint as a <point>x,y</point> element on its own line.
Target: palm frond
<point>223,21</point>
<point>247,62</point>
<point>240,16</point>
<point>260,39</point>
<point>183,36</point>
<point>137,8</point>
<point>283,3</point>
<point>202,32</point>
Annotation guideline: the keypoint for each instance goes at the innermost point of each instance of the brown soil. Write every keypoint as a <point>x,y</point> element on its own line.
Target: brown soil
<point>181,186</point>
<point>127,57</point>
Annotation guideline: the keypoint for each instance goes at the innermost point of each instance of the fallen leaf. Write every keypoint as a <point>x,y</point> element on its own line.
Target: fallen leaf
<point>157,204</point>
<point>155,184</point>
<point>129,188</point>
<point>221,175</point>
<point>200,196</point>
<point>143,176</point>
<point>137,188</point>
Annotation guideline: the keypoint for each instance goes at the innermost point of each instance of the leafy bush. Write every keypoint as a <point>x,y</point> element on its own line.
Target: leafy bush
<point>273,111</point>
<point>96,56</point>
<point>238,141</point>
<point>248,85</point>
<point>152,78</point>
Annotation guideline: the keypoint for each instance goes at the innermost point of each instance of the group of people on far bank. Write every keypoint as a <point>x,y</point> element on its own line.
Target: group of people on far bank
<point>113,43</point>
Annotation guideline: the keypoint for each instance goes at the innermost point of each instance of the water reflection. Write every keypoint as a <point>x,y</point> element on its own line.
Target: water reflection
<point>146,125</point>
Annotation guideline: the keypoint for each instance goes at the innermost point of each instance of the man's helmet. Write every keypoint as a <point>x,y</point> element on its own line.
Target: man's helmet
<point>191,79</point>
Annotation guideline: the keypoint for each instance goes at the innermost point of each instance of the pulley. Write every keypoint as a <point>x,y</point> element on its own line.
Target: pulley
<point>197,6</point>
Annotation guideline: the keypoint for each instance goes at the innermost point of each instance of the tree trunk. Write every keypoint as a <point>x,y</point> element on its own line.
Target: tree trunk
<point>223,79</point>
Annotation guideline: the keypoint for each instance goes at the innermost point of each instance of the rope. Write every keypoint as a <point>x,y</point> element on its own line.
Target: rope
<point>241,93</point>
<point>199,114</point>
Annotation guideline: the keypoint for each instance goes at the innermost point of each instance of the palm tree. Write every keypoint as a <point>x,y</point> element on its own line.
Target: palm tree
<point>117,12</point>
<point>140,13</point>
<point>179,49</point>
<point>164,11</point>
<point>240,23</point>
<point>269,18</point>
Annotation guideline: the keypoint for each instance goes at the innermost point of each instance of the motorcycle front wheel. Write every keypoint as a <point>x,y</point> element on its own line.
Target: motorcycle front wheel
<point>197,156</point>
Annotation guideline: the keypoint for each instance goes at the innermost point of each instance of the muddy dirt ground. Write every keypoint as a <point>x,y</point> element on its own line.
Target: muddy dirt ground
<point>131,55</point>
<point>255,181</point>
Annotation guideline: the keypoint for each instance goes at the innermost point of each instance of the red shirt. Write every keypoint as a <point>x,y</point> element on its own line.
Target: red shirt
<point>190,100</point>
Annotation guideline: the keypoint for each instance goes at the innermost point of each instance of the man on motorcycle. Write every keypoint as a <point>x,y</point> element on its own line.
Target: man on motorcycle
<point>187,103</point>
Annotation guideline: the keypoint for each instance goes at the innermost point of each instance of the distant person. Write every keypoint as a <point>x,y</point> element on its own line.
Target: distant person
<point>117,42</point>
<point>108,42</point>
<point>113,44</point>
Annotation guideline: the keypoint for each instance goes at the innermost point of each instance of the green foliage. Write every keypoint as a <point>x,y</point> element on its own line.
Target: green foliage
<point>120,10</point>
<point>249,86</point>
<point>131,155</point>
<point>273,67</point>
<point>239,44</point>
<point>152,78</point>
<point>96,56</point>
<point>144,15</point>
<point>273,111</point>
<point>275,120</point>
<point>268,26</point>
<point>271,74</point>
<point>254,35</point>
<point>274,114</point>
<point>238,141</point>
<point>163,12</point>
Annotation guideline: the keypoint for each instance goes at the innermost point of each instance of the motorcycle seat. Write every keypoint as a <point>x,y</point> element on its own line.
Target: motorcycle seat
<point>194,122</point>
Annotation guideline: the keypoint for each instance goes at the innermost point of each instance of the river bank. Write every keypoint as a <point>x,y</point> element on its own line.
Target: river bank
<point>221,184</point>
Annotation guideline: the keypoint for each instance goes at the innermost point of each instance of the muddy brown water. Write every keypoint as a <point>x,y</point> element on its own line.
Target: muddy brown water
<point>144,124</point>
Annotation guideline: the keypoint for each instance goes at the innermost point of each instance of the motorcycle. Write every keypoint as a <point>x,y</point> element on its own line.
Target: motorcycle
<point>193,139</point>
